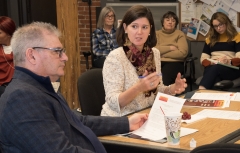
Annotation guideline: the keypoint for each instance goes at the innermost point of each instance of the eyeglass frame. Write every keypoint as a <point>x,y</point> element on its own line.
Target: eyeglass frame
<point>110,16</point>
<point>58,50</point>
<point>220,25</point>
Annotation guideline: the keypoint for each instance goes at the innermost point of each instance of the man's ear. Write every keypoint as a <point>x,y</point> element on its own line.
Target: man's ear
<point>30,53</point>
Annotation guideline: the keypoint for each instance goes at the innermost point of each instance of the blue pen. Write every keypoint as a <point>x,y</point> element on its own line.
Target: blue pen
<point>140,77</point>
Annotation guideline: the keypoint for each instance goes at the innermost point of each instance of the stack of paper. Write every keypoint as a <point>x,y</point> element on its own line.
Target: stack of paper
<point>221,100</point>
<point>154,127</point>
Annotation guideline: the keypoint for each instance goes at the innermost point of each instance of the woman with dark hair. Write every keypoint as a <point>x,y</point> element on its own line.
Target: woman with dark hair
<point>173,47</point>
<point>104,37</point>
<point>222,45</point>
<point>132,73</point>
<point>7,28</point>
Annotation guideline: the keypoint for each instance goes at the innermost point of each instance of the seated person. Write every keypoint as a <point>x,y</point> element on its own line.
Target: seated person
<point>7,27</point>
<point>132,73</point>
<point>104,37</point>
<point>173,48</point>
<point>36,119</point>
<point>223,45</point>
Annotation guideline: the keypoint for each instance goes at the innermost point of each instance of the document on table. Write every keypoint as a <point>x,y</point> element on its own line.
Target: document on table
<point>215,96</point>
<point>236,97</point>
<point>222,114</point>
<point>154,127</point>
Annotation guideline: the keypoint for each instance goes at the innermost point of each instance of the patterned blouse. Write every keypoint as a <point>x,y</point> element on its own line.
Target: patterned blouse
<point>119,75</point>
<point>103,42</point>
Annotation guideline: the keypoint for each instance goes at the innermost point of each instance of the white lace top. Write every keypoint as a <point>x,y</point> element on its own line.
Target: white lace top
<point>118,75</point>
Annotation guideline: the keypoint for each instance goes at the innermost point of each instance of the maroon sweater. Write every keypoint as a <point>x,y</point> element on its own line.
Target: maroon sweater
<point>6,71</point>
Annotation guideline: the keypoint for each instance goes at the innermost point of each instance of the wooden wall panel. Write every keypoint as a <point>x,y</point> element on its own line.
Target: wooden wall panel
<point>67,20</point>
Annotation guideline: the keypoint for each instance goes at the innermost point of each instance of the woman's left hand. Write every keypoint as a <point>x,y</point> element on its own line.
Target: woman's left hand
<point>180,84</point>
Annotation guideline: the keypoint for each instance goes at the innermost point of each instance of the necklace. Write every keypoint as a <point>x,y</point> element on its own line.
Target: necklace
<point>7,60</point>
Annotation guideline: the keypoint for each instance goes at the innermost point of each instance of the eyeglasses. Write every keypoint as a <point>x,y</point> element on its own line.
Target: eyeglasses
<point>58,50</point>
<point>109,16</point>
<point>218,26</point>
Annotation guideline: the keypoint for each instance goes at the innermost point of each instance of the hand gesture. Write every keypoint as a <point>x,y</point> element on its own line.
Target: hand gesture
<point>149,82</point>
<point>180,84</point>
<point>137,120</point>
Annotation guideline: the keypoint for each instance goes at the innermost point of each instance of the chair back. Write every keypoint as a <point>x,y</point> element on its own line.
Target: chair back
<point>91,92</point>
<point>218,148</point>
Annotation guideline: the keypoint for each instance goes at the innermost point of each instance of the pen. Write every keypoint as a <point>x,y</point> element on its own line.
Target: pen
<point>140,77</point>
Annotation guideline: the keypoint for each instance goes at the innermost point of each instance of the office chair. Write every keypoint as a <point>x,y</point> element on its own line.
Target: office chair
<point>218,148</point>
<point>91,92</point>
<point>189,65</point>
<point>96,63</point>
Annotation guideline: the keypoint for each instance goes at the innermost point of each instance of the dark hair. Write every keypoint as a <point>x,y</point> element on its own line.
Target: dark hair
<point>132,14</point>
<point>231,31</point>
<point>7,25</point>
<point>170,14</point>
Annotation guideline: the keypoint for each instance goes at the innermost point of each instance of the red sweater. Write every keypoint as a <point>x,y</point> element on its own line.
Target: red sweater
<point>6,71</point>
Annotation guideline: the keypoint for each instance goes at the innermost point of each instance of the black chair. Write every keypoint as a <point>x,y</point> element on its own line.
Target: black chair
<point>91,92</point>
<point>95,63</point>
<point>189,67</point>
<point>218,148</point>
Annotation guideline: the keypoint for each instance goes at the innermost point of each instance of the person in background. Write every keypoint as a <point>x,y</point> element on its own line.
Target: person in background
<point>7,27</point>
<point>222,45</point>
<point>104,37</point>
<point>36,118</point>
<point>132,73</point>
<point>173,47</point>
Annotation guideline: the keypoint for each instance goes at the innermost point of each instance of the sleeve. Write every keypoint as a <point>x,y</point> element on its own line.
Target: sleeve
<point>116,125</point>
<point>206,53</point>
<point>236,61</point>
<point>31,125</point>
<point>113,80</point>
<point>182,46</point>
<point>98,41</point>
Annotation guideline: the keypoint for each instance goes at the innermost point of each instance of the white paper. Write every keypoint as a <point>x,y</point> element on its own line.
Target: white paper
<point>232,14</point>
<point>204,28</point>
<point>193,28</point>
<point>237,97</point>
<point>194,118</point>
<point>221,114</point>
<point>208,10</point>
<point>154,127</point>
<point>187,11</point>
<point>214,96</point>
<point>236,5</point>
<point>184,2</point>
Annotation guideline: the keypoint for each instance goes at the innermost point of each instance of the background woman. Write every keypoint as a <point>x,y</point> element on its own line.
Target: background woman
<point>104,37</point>
<point>173,47</point>
<point>7,27</point>
<point>131,72</point>
<point>223,45</point>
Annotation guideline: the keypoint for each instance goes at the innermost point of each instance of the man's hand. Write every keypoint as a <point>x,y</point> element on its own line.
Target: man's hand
<point>137,120</point>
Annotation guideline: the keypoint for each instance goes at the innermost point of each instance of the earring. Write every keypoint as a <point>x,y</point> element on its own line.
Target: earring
<point>149,34</point>
<point>127,41</point>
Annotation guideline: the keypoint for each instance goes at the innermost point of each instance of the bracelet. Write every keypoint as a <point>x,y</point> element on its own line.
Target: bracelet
<point>169,90</point>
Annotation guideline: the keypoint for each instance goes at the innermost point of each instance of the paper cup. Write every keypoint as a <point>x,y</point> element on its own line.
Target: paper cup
<point>173,126</point>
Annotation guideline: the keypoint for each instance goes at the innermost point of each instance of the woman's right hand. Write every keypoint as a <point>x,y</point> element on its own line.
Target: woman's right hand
<point>149,82</point>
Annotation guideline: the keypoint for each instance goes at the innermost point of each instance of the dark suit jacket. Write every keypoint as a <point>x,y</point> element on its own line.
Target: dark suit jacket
<point>33,120</point>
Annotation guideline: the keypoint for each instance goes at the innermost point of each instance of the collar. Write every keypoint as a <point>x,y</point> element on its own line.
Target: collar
<point>168,32</point>
<point>44,81</point>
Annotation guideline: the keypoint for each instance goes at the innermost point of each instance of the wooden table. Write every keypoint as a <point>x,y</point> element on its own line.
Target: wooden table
<point>210,131</point>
